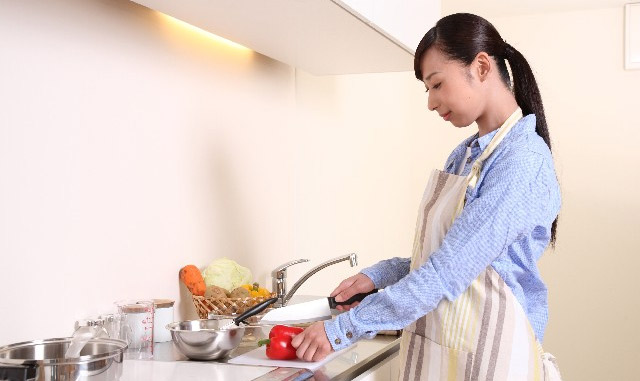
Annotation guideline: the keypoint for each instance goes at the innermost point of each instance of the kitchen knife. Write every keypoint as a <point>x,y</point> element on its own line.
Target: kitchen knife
<point>319,309</point>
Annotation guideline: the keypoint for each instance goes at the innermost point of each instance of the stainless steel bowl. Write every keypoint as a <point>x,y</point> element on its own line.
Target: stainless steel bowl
<point>100,359</point>
<point>203,339</point>
<point>211,339</point>
<point>253,332</point>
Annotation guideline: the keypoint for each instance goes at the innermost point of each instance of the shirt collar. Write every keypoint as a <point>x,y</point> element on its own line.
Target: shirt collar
<point>483,141</point>
<point>525,125</point>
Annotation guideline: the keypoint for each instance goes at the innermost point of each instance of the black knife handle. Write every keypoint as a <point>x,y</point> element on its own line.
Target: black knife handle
<point>353,299</point>
<point>254,310</point>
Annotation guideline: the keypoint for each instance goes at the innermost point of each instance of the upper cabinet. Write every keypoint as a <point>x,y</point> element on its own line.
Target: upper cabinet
<point>318,36</point>
<point>404,21</point>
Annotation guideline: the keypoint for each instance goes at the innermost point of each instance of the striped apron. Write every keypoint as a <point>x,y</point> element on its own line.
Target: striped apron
<point>484,334</point>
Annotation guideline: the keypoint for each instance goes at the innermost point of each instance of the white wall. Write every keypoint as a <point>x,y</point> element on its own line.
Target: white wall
<point>129,147</point>
<point>367,146</point>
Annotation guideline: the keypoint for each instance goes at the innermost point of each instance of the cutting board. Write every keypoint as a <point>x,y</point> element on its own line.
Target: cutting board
<point>259,357</point>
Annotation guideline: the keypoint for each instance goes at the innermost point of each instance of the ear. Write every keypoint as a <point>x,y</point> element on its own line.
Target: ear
<point>482,65</point>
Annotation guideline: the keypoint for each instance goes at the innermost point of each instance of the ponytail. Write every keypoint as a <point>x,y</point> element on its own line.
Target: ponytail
<point>461,37</point>
<point>526,90</point>
<point>527,94</point>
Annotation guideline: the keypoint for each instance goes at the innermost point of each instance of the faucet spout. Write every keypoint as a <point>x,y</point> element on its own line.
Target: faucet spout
<point>353,261</point>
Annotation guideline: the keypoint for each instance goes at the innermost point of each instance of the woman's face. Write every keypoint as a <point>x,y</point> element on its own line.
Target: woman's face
<point>452,89</point>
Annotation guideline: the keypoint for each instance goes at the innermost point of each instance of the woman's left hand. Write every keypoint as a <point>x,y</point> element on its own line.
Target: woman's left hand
<point>312,344</point>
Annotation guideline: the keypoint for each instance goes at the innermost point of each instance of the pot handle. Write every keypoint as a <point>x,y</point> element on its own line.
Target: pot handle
<point>254,311</point>
<point>18,372</point>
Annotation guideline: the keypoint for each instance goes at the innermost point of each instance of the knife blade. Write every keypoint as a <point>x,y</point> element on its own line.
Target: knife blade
<point>319,309</point>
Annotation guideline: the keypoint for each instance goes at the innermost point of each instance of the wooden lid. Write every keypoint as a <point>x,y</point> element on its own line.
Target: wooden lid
<point>134,308</point>
<point>163,303</point>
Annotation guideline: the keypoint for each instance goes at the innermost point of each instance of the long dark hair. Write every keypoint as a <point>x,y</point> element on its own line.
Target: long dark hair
<point>461,37</point>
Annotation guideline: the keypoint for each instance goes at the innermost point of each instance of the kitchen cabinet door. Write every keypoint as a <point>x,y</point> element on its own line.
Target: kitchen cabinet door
<point>384,371</point>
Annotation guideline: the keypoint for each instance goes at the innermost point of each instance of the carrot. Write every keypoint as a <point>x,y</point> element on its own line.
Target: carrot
<point>192,278</point>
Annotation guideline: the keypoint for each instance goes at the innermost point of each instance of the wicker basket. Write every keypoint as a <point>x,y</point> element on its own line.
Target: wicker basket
<point>225,306</point>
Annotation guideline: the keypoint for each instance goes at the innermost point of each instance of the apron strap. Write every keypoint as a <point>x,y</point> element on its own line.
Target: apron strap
<point>472,178</point>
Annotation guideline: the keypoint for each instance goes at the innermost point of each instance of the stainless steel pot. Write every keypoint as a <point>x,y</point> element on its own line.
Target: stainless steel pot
<point>43,360</point>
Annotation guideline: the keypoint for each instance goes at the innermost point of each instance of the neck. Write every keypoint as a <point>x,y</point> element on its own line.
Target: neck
<point>503,104</point>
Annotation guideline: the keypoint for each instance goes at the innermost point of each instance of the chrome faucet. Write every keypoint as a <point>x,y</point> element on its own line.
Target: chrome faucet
<point>279,276</point>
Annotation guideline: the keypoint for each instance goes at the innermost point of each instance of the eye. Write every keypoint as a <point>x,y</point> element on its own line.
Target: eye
<point>436,86</point>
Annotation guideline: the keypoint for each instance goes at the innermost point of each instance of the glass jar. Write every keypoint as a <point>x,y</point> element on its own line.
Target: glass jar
<point>163,316</point>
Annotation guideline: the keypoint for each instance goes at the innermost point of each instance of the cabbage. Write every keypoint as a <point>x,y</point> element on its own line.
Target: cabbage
<point>227,274</point>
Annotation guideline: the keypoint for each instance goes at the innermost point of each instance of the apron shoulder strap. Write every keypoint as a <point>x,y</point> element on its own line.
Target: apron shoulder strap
<point>495,141</point>
<point>472,178</point>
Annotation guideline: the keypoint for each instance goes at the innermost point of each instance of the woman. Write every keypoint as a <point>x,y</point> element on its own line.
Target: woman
<point>471,300</point>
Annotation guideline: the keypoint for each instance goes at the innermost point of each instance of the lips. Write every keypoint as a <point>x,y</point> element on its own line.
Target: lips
<point>446,116</point>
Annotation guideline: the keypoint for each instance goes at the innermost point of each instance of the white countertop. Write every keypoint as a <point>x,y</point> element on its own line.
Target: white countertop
<point>169,364</point>
<point>137,370</point>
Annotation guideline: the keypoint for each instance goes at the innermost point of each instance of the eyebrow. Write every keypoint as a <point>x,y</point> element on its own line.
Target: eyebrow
<point>430,75</point>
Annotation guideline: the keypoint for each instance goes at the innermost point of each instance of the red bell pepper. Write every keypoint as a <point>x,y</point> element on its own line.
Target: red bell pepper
<point>279,342</point>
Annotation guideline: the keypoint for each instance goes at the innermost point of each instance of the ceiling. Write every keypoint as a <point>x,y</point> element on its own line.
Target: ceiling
<point>492,8</point>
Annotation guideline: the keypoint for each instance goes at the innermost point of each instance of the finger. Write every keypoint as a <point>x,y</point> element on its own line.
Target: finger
<point>343,285</point>
<point>323,350</point>
<point>302,349</point>
<point>298,339</point>
<point>346,294</point>
<point>311,351</point>
<point>319,355</point>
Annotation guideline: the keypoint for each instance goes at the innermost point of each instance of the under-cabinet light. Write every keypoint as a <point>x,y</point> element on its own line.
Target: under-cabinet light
<point>203,32</point>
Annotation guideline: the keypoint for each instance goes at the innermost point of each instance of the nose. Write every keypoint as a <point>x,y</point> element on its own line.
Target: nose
<point>432,103</point>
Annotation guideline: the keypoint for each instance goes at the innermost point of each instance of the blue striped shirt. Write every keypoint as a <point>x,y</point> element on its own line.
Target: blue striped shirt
<point>506,223</point>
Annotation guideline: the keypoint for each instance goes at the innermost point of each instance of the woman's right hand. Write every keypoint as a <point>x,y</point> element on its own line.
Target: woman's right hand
<point>356,284</point>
